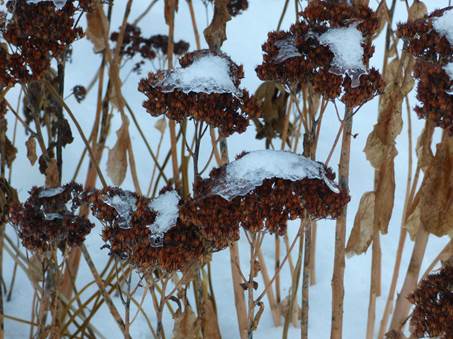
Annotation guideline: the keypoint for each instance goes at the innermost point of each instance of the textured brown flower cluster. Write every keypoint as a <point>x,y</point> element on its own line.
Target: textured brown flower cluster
<point>433,53</point>
<point>37,33</point>
<point>49,218</point>
<point>433,300</point>
<point>423,41</point>
<point>267,207</point>
<point>297,57</point>
<point>127,217</point>
<point>222,109</point>
<point>148,48</point>
<point>435,93</point>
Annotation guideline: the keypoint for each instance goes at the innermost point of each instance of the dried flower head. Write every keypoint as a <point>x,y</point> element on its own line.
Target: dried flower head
<point>433,300</point>
<point>49,218</point>
<point>147,233</point>
<point>262,190</point>
<point>38,32</point>
<point>206,88</point>
<point>330,49</point>
<point>79,92</point>
<point>428,38</point>
<point>435,93</point>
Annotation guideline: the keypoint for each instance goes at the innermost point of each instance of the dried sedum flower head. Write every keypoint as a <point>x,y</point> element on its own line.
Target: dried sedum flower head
<point>38,32</point>
<point>330,49</point>
<point>147,233</point>
<point>431,37</point>
<point>236,7</point>
<point>262,190</point>
<point>433,300</point>
<point>49,218</point>
<point>205,87</point>
<point>435,92</point>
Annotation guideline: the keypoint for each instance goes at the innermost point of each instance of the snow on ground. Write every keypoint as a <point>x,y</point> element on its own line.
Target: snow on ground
<point>246,33</point>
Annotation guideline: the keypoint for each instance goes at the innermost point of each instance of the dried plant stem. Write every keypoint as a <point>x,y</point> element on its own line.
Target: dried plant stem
<point>194,24</point>
<point>340,234</point>
<point>306,280</point>
<point>289,317</point>
<point>270,293</point>
<point>410,281</point>
<point>375,284</point>
<point>238,291</point>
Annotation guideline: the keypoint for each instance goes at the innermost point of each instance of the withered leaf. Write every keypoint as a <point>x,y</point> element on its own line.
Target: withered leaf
<point>186,325</point>
<point>363,229</point>
<point>10,152</point>
<point>215,33</point>
<point>382,13</point>
<point>436,191</point>
<point>117,157</point>
<point>31,150</point>
<point>424,152</point>
<point>161,125</point>
<point>413,222</point>
<point>97,29</point>
<point>417,11</point>
<point>209,320</point>
<point>171,6</point>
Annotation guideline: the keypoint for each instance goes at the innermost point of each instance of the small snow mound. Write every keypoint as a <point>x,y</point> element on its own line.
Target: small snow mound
<point>58,3</point>
<point>444,25</point>
<point>346,45</point>
<point>166,208</point>
<point>51,192</point>
<point>247,173</point>
<point>124,206</point>
<point>207,74</point>
<point>286,49</point>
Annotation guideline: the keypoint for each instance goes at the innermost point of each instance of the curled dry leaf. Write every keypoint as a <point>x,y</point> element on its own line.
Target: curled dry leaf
<point>170,6</point>
<point>215,33</point>
<point>436,192</point>
<point>382,13</point>
<point>186,325</point>
<point>363,229</point>
<point>31,150</point>
<point>209,322</point>
<point>417,11</point>
<point>117,157</point>
<point>380,148</point>
<point>424,152</point>
<point>97,29</point>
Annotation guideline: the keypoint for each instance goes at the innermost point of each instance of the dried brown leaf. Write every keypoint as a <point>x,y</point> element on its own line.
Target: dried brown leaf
<point>186,325</point>
<point>215,33</point>
<point>117,157</point>
<point>31,150</point>
<point>52,174</point>
<point>209,319</point>
<point>413,222</point>
<point>363,229</point>
<point>161,125</point>
<point>35,269</point>
<point>11,152</point>
<point>436,191</point>
<point>170,5</point>
<point>417,11</point>
<point>97,29</point>
<point>424,152</point>
<point>382,13</point>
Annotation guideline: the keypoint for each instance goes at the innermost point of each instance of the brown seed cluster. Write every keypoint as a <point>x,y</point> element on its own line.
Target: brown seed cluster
<point>433,300</point>
<point>49,218</point>
<point>148,48</point>
<point>296,57</point>
<point>222,110</point>
<point>433,53</point>
<point>38,33</point>
<point>127,217</point>
<point>435,93</point>
<point>423,41</point>
<point>267,207</point>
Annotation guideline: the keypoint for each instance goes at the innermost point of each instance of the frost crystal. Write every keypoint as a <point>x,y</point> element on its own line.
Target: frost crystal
<point>444,25</point>
<point>58,3</point>
<point>346,45</point>
<point>247,173</point>
<point>207,74</point>
<point>124,206</point>
<point>286,49</point>
<point>51,192</point>
<point>166,208</point>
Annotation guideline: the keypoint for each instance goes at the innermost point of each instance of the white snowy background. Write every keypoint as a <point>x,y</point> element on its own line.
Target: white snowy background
<point>246,33</point>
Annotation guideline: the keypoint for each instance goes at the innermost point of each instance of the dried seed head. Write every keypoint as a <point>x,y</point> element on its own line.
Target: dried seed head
<point>309,53</point>
<point>211,95</point>
<point>433,300</point>
<point>49,218</point>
